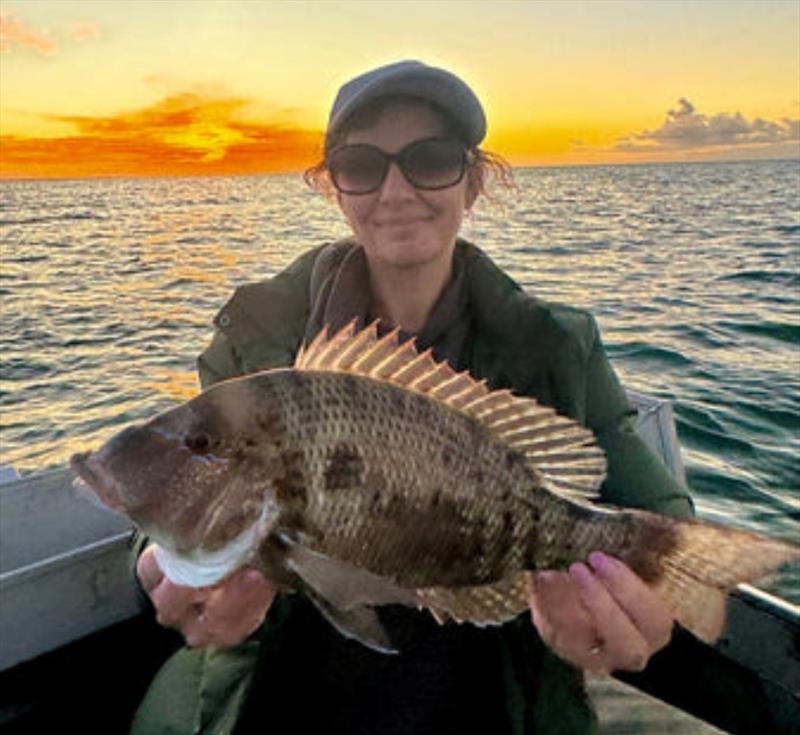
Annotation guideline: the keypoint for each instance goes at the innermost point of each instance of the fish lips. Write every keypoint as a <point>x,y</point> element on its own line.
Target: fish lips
<point>94,482</point>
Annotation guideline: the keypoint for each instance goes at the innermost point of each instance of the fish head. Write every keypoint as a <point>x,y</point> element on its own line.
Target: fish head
<point>195,476</point>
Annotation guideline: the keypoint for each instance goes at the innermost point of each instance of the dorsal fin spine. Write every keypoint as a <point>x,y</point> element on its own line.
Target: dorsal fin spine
<point>523,418</point>
<point>431,378</point>
<point>353,348</point>
<point>327,353</point>
<point>311,349</point>
<point>388,367</point>
<point>378,353</point>
<point>409,372</point>
<point>525,435</point>
<point>558,435</point>
<point>469,395</point>
<point>487,404</point>
<point>443,389</point>
<point>534,418</point>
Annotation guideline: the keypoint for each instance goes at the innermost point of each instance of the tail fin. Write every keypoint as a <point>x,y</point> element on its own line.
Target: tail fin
<point>706,563</point>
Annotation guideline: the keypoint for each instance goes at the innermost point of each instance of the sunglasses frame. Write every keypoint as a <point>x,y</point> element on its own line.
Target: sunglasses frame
<point>397,159</point>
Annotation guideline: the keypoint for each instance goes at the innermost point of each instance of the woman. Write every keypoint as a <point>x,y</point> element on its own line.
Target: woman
<point>402,158</point>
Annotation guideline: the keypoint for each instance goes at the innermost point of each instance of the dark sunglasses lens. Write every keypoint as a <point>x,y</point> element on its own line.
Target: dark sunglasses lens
<point>357,169</point>
<point>434,164</point>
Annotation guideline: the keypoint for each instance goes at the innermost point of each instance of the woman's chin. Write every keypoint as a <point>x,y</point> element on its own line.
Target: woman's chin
<point>408,252</point>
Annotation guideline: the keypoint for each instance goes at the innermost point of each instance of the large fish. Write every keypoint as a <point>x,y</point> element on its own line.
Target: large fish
<point>369,474</point>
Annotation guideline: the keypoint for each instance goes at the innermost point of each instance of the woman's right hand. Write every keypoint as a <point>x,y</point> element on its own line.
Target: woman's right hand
<point>222,615</point>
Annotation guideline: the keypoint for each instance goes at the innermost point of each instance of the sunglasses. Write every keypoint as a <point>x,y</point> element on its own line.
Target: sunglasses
<point>430,163</point>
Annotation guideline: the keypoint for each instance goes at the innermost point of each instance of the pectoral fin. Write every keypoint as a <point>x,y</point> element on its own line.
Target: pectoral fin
<point>345,594</point>
<point>359,623</point>
<point>344,585</point>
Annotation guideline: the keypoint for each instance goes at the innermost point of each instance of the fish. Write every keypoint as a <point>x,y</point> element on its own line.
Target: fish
<point>369,474</point>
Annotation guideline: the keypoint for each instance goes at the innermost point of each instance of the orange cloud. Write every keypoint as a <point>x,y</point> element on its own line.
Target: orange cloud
<point>15,32</point>
<point>183,135</point>
<point>82,32</point>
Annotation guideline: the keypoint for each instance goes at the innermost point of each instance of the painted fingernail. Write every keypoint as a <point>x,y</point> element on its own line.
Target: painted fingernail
<point>601,563</point>
<point>546,577</point>
<point>580,573</point>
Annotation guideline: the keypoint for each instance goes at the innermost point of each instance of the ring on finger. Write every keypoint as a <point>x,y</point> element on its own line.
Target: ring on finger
<point>597,648</point>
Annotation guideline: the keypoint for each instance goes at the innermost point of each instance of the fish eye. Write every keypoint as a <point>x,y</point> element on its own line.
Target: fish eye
<point>197,443</point>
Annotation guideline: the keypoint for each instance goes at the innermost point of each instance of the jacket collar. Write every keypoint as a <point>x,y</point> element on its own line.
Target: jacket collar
<point>340,294</point>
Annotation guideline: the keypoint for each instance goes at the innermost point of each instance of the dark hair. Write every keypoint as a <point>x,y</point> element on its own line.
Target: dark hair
<point>484,166</point>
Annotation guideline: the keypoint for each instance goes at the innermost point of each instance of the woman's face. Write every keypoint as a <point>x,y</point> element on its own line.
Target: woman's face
<point>399,225</point>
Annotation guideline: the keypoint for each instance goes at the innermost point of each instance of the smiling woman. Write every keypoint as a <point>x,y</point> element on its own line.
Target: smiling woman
<point>406,230</point>
<point>402,160</point>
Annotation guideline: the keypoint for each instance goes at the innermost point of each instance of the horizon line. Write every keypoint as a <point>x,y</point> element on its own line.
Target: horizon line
<point>299,172</point>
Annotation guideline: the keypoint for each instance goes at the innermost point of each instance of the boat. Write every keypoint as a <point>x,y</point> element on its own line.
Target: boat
<point>79,643</point>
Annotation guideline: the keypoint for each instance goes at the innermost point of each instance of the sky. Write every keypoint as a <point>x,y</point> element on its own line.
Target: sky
<point>218,87</point>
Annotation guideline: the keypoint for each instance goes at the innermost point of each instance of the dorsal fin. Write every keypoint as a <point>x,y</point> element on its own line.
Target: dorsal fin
<point>560,450</point>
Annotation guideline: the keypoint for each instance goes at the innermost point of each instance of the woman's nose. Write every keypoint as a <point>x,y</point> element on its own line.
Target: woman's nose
<point>395,185</point>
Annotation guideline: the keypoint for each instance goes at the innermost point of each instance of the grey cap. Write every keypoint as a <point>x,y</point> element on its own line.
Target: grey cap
<point>415,79</point>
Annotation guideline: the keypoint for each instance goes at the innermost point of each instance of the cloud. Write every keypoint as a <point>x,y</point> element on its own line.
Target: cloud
<point>14,32</point>
<point>83,32</point>
<point>685,129</point>
<point>188,121</point>
<point>183,134</point>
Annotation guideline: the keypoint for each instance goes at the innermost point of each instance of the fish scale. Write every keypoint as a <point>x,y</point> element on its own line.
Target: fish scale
<point>369,474</point>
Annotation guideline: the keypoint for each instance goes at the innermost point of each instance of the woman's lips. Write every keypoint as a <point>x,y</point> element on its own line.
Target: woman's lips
<point>401,222</point>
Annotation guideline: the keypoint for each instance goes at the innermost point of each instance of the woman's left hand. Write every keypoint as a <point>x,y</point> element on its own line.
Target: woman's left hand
<point>600,617</point>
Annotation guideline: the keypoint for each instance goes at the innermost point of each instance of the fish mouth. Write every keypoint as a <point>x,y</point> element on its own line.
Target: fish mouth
<point>93,481</point>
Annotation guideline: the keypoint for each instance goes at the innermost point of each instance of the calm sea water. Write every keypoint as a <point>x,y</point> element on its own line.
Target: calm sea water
<point>109,286</point>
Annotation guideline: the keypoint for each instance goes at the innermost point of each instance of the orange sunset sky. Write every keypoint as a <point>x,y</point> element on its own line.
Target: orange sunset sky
<point>207,87</point>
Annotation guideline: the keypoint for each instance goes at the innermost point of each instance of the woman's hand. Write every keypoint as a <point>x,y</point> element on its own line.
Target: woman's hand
<point>601,617</point>
<point>222,615</point>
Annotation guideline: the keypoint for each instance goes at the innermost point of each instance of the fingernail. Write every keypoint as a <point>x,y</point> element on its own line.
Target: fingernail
<point>601,563</point>
<point>252,576</point>
<point>545,577</point>
<point>580,573</point>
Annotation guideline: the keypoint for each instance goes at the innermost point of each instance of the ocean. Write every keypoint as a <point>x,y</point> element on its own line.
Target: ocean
<point>109,288</point>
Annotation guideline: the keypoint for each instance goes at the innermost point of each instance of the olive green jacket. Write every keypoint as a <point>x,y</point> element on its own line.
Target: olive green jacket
<point>548,351</point>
